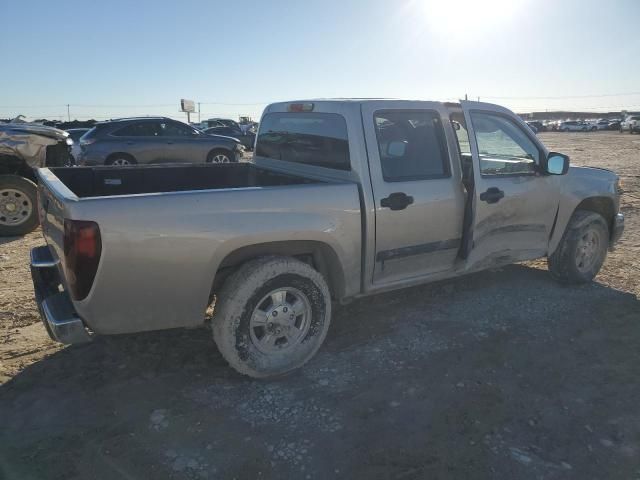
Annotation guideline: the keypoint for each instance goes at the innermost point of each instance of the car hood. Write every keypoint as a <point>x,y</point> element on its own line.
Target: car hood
<point>28,142</point>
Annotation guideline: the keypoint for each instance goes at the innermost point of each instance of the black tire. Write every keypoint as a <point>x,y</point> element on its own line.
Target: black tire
<point>120,160</point>
<point>214,156</point>
<point>18,205</point>
<point>565,264</point>
<point>244,294</point>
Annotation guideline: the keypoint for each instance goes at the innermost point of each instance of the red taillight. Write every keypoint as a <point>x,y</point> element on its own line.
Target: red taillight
<point>82,249</point>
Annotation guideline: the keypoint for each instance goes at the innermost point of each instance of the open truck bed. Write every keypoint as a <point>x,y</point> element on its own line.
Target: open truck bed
<point>165,232</point>
<point>108,181</point>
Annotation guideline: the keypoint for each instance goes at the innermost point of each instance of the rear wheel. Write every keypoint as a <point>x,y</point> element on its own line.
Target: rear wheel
<point>272,316</point>
<point>220,156</point>
<point>582,250</point>
<point>18,205</point>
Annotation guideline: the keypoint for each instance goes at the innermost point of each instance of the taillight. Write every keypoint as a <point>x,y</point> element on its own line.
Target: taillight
<point>82,249</point>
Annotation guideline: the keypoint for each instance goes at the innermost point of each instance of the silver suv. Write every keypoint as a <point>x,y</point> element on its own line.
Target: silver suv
<point>148,140</point>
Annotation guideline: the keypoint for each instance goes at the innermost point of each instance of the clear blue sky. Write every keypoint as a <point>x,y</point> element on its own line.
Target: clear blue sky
<point>117,58</point>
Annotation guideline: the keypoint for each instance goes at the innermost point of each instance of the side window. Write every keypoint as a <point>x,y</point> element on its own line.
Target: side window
<point>504,148</point>
<point>172,129</point>
<point>411,144</point>
<point>141,129</point>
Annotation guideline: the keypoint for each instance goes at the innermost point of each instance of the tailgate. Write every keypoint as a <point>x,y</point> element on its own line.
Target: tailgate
<point>52,195</point>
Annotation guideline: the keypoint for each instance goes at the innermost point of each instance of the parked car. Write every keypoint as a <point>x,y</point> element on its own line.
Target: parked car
<point>614,125</point>
<point>538,125</point>
<point>574,126</point>
<point>602,124</point>
<point>533,128</point>
<point>342,199</point>
<point>631,124</point>
<point>247,139</point>
<point>227,122</point>
<point>75,134</point>
<point>25,147</point>
<point>146,140</point>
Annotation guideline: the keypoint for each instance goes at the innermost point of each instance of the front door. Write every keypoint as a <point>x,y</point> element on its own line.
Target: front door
<point>515,205</point>
<point>419,201</point>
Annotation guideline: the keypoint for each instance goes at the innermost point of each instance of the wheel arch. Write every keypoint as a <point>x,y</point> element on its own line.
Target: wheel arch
<point>13,165</point>
<point>321,256</point>
<point>601,205</point>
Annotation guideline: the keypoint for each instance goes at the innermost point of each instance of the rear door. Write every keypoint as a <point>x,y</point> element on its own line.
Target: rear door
<point>514,205</point>
<point>419,199</point>
<point>140,139</point>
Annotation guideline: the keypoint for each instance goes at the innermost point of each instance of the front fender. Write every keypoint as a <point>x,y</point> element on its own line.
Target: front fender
<point>594,188</point>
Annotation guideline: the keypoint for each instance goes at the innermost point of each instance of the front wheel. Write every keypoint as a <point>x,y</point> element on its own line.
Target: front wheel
<point>220,156</point>
<point>18,205</point>
<point>582,250</point>
<point>272,316</point>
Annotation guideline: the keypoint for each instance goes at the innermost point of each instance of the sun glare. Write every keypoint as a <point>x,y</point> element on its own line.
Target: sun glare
<point>463,18</point>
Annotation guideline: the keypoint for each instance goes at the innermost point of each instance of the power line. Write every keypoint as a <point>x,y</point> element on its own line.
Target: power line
<point>562,97</point>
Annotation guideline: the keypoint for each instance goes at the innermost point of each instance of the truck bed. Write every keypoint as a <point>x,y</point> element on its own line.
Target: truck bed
<point>108,181</point>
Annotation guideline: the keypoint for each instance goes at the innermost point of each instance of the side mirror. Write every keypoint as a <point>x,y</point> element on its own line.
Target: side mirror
<point>456,125</point>
<point>556,164</point>
<point>396,149</point>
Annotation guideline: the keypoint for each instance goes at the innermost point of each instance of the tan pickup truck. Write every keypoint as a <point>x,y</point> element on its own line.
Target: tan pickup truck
<point>343,198</point>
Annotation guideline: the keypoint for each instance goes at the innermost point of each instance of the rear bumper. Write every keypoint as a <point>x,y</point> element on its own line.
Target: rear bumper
<point>56,309</point>
<point>618,228</point>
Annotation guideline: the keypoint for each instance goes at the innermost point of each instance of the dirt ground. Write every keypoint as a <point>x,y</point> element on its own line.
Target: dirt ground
<point>502,374</point>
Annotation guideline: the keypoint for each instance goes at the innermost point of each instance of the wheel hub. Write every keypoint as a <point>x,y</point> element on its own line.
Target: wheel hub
<point>280,320</point>
<point>587,251</point>
<point>15,207</point>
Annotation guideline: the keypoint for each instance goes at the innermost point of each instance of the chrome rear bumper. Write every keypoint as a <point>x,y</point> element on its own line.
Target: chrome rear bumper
<point>56,309</point>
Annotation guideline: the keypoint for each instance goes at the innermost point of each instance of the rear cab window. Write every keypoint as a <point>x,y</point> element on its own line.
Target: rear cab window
<point>310,138</point>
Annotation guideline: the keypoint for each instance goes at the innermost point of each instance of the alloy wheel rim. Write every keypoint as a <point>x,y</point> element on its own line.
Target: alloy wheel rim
<point>121,162</point>
<point>220,158</point>
<point>587,251</point>
<point>280,321</point>
<point>15,207</point>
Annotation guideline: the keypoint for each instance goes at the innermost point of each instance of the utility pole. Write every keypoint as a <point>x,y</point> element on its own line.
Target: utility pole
<point>68,113</point>
<point>465,97</point>
<point>199,120</point>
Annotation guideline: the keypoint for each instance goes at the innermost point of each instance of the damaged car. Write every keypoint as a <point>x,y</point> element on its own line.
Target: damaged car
<point>25,147</point>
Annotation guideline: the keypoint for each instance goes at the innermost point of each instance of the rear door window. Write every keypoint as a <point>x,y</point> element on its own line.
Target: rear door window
<point>141,129</point>
<point>318,139</point>
<point>411,144</point>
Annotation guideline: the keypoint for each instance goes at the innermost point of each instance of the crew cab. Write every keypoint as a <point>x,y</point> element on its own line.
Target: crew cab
<point>342,199</point>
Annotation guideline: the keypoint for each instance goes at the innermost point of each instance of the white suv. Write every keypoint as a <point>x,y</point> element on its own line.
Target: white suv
<point>574,126</point>
<point>631,123</point>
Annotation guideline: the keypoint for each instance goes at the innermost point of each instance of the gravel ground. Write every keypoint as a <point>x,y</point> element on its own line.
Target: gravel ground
<point>502,374</point>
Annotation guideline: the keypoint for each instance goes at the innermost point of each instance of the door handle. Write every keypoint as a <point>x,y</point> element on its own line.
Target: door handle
<point>397,201</point>
<point>492,195</point>
<point>169,143</point>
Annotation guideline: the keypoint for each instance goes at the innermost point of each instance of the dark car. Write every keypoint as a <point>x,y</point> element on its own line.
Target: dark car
<point>247,139</point>
<point>148,140</point>
<point>537,125</point>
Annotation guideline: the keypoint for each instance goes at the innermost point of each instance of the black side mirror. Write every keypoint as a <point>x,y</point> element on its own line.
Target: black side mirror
<point>556,164</point>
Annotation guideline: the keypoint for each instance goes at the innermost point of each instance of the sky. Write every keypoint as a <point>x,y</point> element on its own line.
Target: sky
<point>123,58</point>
